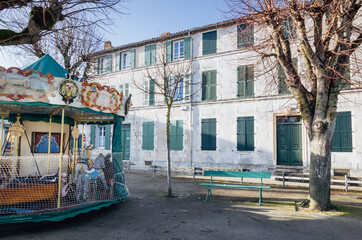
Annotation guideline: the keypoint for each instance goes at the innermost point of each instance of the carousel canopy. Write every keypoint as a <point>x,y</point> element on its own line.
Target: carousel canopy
<point>47,64</point>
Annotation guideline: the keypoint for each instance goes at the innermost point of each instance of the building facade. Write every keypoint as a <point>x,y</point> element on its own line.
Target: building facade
<point>233,115</point>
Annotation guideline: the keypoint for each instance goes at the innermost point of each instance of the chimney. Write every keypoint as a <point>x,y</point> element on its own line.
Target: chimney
<point>165,34</point>
<point>107,45</point>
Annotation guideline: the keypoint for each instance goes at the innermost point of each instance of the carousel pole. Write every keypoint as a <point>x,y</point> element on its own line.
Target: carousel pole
<point>60,158</point>
<point>74,151</point>
<point>2,128</point>
<point>82,140</point>
<point>49,140</point>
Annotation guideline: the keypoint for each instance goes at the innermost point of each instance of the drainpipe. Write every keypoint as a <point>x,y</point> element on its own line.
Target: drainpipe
<point>191,113</point>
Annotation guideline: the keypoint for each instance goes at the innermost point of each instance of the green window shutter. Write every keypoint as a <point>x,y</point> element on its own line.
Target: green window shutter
<point>147,55</point>
<point>204,86</point>
<point>342,139</point>
<point>169,51</point>
<point>176,135</point>
<point>250,81</point>
<point>241,81</point>
<point>93,135</point>
<point>209,42</point>
<point>132,58</point>
<point>151,94</point>
<point>96,66</point>
<point>245,133</point>
<point>187,47</point>
<point>173,134</point>
<point>282,86</point>
<point>187,88</point>
<point>148,136</point>
<point>208,134</point>
<point>213,84</point>
<point>153,56</point>
<point>126,89</point>
<point>107,144</point>
<point>118,61</point>
<point>109,63</point>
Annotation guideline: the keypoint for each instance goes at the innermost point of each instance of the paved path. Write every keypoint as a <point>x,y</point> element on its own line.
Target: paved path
<point>148,215</point>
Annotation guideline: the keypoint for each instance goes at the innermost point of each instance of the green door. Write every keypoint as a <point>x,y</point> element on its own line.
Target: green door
<point>289,141</point>
<point>126,141</point>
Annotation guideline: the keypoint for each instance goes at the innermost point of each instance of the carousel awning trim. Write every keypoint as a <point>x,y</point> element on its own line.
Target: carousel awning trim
<point>47,64</point>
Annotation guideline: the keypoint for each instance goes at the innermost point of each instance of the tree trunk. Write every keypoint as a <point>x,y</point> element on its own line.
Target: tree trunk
<point>320,169</point>
<point>168,152</point>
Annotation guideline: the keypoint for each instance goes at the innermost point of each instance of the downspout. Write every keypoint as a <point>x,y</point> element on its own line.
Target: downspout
<point>191,113</point>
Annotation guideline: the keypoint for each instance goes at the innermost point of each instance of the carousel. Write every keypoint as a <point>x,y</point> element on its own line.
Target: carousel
<point>46,171</point>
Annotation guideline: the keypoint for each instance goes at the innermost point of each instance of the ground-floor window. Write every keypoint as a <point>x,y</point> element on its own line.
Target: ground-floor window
<point>245,133</point>
<point>342,139</point>
<point>208,134</point>
<point>148,135</point>
<point>176,135</point>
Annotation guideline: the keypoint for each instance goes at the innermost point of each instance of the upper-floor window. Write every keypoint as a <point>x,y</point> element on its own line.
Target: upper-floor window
<point>125,60</point>
<point>282,86</point>
<point>103,64</point>
<point>150,55</point>
<point>209,42</point>
<point>209,85</point>
<point>245,81</point>
<point>149,95</point>
<point>245,36</point>
<point>289,29</point>
<point>124,89</point>
<point>178,49</point>
<point>101,137</point>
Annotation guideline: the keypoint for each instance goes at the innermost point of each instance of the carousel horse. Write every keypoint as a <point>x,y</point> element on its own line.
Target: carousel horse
<point>94,174</point>
<point>80,169</point>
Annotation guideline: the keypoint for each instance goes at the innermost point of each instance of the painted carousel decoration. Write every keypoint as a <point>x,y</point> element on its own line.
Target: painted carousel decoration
<point>68,90</point>
<point>46,171</point>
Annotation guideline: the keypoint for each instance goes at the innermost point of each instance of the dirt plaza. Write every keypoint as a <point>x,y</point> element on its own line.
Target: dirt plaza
<point>231,214</point>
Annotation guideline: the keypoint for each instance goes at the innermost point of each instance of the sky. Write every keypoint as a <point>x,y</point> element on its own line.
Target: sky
<point>145,19</point>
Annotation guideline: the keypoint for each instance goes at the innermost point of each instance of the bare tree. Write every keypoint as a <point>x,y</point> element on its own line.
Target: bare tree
<point>71,45</point>
<point>327,36</point>
<point>26,22</point>
<point>169,78</point>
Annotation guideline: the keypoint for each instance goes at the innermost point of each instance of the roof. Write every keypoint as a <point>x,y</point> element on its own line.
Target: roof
<point>172,36</point>
<point>47,64</point>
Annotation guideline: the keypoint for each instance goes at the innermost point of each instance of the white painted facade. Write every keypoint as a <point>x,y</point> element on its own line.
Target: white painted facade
<point>265,107</point>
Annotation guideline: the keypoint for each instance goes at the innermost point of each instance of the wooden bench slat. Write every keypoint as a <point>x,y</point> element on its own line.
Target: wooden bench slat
<point>237,174</point>
<point>234,186</point>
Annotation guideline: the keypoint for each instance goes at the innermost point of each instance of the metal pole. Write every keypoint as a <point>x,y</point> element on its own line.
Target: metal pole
<point>82,140</point>
<point>74,162</point>
<point>2,128</point>
<point>49,140</point>
<point>60,157</point>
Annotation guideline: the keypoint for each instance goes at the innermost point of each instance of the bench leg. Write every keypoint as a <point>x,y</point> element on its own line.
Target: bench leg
<point>208,193</point>
<point>261,196</point>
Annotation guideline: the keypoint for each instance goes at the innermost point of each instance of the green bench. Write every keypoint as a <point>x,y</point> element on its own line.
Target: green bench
<point>234,174</point>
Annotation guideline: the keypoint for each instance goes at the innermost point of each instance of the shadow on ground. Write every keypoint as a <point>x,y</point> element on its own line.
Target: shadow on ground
<point>232,214</point>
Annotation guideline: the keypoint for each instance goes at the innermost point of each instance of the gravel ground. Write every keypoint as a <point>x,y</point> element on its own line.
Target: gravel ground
<point>232,214</point>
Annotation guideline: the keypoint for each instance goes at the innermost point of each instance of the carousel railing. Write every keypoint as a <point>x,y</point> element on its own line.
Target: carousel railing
<point>30,184</point>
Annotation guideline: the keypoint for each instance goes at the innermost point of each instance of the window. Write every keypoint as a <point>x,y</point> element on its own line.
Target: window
<point>282,86</point>
<point>178,50</point>
<point>245,36</point>
<point>101,137</point>
<point>176,135</point>
<point>245,81</point>
<point>103,64</point>
<point>179,91</point>
<point>148,95</point>
<point>208,134</point>
<point>245,134</point>
<point>209,43</point>
<point>148,135</point>
<point>125,60</point>
<point>124,89</point>
<point>289,29</point>
<point>209,85</point>
<point>150,55</point>
<point>342,139</point>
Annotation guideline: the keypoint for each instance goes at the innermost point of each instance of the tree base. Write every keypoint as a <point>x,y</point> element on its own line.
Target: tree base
<point>308,204</point>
